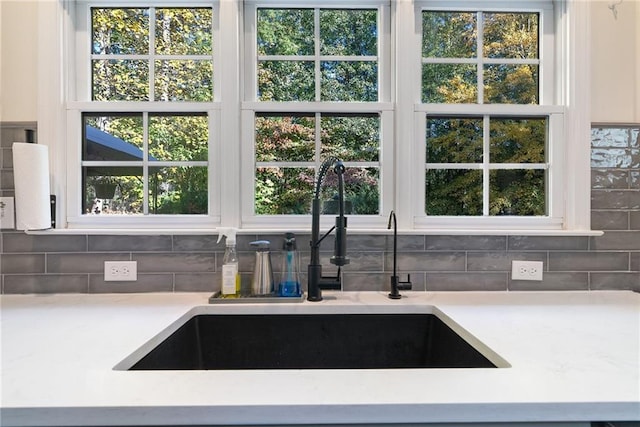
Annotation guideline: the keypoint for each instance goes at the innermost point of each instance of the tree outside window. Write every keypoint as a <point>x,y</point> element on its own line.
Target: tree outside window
<point>321,56</point>
<point>158,163</point>
<point>487,164</point>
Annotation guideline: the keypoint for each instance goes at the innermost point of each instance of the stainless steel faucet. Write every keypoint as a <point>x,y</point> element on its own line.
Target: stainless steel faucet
<point>317,282</point>
<point>396,284</point>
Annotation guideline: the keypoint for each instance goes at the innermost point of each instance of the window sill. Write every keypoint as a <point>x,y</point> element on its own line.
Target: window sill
<point>438,232</point>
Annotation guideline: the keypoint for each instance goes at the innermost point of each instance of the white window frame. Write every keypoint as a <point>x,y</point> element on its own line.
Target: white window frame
<point>566,150</point>
<point>59,129</point>
<point>547,107</point>
<point>79,102</point>
<point>251,106</point>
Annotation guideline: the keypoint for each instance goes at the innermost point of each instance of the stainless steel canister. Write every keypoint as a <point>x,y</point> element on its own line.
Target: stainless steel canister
<point>262,281</point>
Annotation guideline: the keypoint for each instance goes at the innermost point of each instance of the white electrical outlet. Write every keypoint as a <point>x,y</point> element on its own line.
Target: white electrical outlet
<point>526,270</point>
<point>120,271</point>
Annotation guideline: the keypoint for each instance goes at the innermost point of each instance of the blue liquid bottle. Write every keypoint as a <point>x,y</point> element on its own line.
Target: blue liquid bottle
<point>289,285</point>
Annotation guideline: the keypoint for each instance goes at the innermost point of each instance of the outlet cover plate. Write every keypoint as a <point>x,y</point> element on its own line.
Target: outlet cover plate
<point>120,271</point>
<point>526,270</point>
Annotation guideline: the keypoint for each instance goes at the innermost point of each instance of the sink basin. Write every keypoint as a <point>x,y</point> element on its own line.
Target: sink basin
<point>312,341</point>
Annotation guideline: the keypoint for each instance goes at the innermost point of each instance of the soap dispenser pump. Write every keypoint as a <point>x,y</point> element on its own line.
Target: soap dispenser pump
<point>289,285</point>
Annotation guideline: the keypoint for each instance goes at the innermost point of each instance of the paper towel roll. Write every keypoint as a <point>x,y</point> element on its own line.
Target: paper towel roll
<point>31,176</point>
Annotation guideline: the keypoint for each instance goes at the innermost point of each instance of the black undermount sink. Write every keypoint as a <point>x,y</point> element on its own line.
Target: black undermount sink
<point>312,341</point>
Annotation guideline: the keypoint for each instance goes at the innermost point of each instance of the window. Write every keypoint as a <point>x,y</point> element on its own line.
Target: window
<point>457,114</point>
<point>314,89</point>
<point>145,111</point>
<point>490,124</point>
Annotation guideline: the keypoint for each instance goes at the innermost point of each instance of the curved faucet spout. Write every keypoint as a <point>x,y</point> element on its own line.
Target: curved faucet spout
<point>316,281</point>
<point>396,284</point>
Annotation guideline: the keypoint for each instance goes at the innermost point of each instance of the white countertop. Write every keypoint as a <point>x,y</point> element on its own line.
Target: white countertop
<point>573,356</point>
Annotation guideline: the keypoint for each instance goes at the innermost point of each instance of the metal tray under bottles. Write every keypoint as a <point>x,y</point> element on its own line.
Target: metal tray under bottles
<point>218,298</point>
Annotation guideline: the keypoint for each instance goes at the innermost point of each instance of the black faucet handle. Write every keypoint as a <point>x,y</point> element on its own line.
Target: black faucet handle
<point>406,285</point>
<point>397,286</point>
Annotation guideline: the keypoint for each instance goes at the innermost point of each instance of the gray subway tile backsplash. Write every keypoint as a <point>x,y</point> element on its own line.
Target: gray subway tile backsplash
<point>553,281</point>
<point>615,199</point>
<point>547,243</point>
<point>610,178</point>
<point>23,263</point>
<point>617,280</point>
<point>157,282</point>
<point>611,158</point>
<point>616,240</point>
<point>469,243</point>
<point>17,242</point>
<point>589,261</point>
<point>186,263</point>
<point>45,283</point>
<point>500,261</point>
<point>610,137</point>
<point>90,262</point>
<point>610,220</point>
<point>634,261</point>
<point>104,243</point>
<point>197,282</point>
<point>170,262</point>
<point>634,220</point>
<point>466,281</point>
<point>197,243</point>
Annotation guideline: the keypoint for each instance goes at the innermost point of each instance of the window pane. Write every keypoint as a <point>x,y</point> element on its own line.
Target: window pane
<point>184,80</point>
<point>281,190</point>
<point>351,138</point>
<point>181,137</point>
<point>454,140</point>
<point>288,138</point>
<point>178,190</point>
<point>112,137</point>
<point>120,31</point>
<point>511,35</point>
<point>120,80</point>
<point>517,192</point>
<point>449,83</point>
<point>184,31</point>
<point>349,81</point>
<point>362,190</point>
<point>286,81</point>
<point>348,32</point>
<point>511,84</point>
<point>449,34</point>
<point>112,190</point>
<point>285,32</point>
<point>453,192</point>
<point>518,140</point>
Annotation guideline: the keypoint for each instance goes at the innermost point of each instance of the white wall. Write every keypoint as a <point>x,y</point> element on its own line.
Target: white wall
<point>615,66</point>
<point>18,60</point>
<point>615,61</point>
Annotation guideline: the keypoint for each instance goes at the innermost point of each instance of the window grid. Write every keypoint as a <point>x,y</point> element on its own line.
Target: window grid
<point>486,166</point>
<point>315,107</point>
<point>556,114</point>
<point>173,49</point>
<point>487,111</point>
<point>151,56</point>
